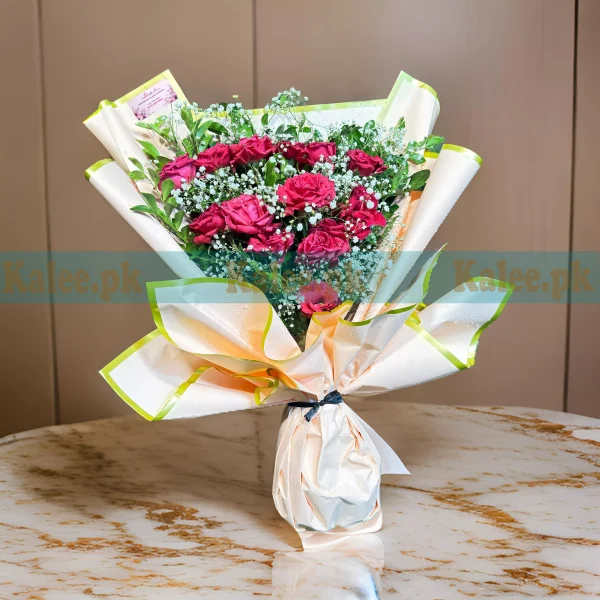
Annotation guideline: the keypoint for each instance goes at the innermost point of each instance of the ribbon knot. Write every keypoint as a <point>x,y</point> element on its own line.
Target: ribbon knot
<point>332,398</point>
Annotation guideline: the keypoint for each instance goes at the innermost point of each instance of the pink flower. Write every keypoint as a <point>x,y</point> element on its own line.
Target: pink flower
<point>361,214</point>
<point>178,170</point>
<point>364,163</point>
<point>274,240</point>
<point>251,150</point>
<point>209,223</point>
<point>246,214</point>
<point>308,188</point>
<point>318,297</point>
<point>307,154</point>
<point>213,158</point>
<point>325,241</point>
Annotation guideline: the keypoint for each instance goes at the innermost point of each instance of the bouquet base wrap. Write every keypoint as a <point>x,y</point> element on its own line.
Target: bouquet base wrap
<point>328,471</point>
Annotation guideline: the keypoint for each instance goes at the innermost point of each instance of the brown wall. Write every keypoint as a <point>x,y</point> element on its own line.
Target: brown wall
<point>504,73</point>
<point>584,371</point>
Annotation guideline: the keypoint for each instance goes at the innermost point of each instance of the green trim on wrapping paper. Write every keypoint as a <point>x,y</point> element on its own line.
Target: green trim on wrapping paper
<point>417,328</point>
<point>431,154</point>
<point>106,373</point>
<point>395,311</point>
<point>145,86</point>
<point>403,78</point>
<point>101,106</point>
<point>175,396</point>
<point>429,89</point>
<point>319,107</point>
<point>430,270</point>
<point>475,339</point>
<point>466,151</point>
<point>414,322</point>
<point>98,165</point>
<point>151,289</point>
<point>309,108</point>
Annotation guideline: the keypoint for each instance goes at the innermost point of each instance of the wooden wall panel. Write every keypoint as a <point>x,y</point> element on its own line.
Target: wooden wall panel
<point>584,375</point>
<point>94,51</point>
<point>503,70</point>
<point>26,360</point>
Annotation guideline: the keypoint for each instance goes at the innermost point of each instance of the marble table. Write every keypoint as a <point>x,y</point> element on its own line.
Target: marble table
<point>502,502</point>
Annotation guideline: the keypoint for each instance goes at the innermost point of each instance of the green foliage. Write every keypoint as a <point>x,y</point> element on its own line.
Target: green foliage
<point>419,179</point>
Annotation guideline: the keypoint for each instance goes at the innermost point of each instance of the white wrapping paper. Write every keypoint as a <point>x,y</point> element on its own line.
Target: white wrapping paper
<point>220,346</point>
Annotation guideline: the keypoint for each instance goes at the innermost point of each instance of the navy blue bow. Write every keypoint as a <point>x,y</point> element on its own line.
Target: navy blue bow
<point>332,398</point>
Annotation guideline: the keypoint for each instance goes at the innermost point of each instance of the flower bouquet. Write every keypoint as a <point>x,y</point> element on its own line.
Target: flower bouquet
<point>296,231</point>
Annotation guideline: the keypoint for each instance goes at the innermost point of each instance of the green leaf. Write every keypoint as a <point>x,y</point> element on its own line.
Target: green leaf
<point>137,164</point>
<point>264,120</point>
<point>141,208</point>
<point>178,219</point>
<point>416,158</point>
<point>189,146</point>
<point>151,127</point>
<point>169,208</point>
<point>150,200</point>
<point>154,177</point>
<point>149,149</point>
<point>138,176</point>
<point>162,161</point>
<point>188,117</point>
<point>418,180</point>
<point>434,143</point>
<point>270,175</point>
<point>201,128</point>
<point>167,187</point>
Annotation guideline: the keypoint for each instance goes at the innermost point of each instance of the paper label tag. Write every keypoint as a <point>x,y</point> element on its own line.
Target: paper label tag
<point>152,100</point>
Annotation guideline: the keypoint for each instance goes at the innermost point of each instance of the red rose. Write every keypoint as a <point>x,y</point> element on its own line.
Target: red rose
<point>364,163</point>
<point>251,150</point>
<point>361,213</point>
<point>208,224</point>
<point>216,157</point>
<point>308,154</point>
<point>246,214</point>
<point>318,297</point>
<point>178,170</point>
<point>271,241</point>
<point>325,241</point>
<point>307,188</point>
